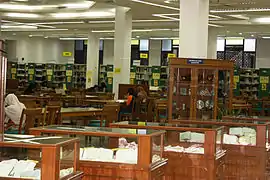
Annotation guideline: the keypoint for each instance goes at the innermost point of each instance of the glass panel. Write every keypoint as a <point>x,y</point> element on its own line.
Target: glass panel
<point>144,45</point>
<point>19,162</point>
<point>181,93</point>
<point>157,148</point>
<point>205,94</point>
<point>166,45</point>
<point>240,135</point>
<point>67,159</point>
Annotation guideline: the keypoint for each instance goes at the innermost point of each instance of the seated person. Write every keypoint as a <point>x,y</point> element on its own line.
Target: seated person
<point>130,98</point>
<point>141,94</point>
<point>30,89</point>
<point>13,111</point>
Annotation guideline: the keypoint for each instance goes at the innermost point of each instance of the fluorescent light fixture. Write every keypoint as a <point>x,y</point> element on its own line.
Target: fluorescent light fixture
<point>108,38</point>
<point>103,31</point>
<point>22,15</point>
<point>73,38</point>
<point>252,35</point>
<point>85,4</point>
<point>163,38</point>
<point>240,10</point>
<point>53,23</point>
<point>20,7</point>
<point>240,33</point>
<point>165,16</point>
<point>94,14</point>
<point>262,20</point>
<point>34,30</point>
<point>156,5</point>
<point>133,30</point>
<point>18,27</point>
<point>214,25</point>
<point>266,37</point>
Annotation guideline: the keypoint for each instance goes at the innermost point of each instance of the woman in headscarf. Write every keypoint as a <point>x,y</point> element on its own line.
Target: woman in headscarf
<point>13,110</point>
<point>141,94</point>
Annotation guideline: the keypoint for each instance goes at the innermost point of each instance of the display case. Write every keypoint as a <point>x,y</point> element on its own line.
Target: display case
<point>196,85</point>
<point>113,153</point>
<point>35,157</point>
<point>193,151</point>
<point>246,144</point>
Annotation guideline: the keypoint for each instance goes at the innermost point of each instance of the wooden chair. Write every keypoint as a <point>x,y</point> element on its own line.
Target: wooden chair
<point>129,116</point>
<point>52,115</point>
<point>29,103</point>
<point>110,113</point>
<point>29,118</point>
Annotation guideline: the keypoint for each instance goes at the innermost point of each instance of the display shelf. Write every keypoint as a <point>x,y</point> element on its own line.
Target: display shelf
<point>198,81</point>
<point>79,75</point>
<point>116,153</point>
<point>246,144</point>
<point>193,152</point>
<point>54,158</point>
<point>249,83</point>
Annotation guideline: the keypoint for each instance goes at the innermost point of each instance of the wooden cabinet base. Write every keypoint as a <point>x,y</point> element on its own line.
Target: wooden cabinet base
<point>115,171</point>
<point>193,167</point>
<point>245,162</point>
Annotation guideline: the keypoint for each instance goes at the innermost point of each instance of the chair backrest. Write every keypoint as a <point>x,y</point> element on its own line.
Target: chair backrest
<point>29,103</point>
<point>110,113</point>
<point>52,115</point>
<point>29,118</point>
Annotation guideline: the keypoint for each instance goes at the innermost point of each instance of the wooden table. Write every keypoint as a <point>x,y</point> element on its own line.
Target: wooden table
<point>79,112</point>
<point>101,102</point>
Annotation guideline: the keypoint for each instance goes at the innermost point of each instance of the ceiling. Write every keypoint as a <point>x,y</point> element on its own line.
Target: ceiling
<point>159,18</point>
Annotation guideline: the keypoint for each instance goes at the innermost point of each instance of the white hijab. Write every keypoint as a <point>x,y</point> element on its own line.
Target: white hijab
<point>14,109</point>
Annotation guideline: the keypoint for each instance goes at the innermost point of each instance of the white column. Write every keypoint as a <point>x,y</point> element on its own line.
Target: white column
<point>92,60</point>
<point>155,52</point>
<point>212,44</point>
<point>193,28</point>
<point>108,51</point>
<point>122,47</point>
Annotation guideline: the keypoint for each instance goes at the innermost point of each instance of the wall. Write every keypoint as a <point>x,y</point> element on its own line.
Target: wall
<point>263,53</point>
<point>40,50</point>
<point>108,50</point>
<point>154,52</point>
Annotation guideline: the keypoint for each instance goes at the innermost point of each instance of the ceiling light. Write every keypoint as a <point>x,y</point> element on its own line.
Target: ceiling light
<point>30,35</point>
<point>20,7</point>
<point>157,5</point>
<point>165,16</point>
<point>214,25</point>
<point>73,38</point>
<point>96,14</point>
<point>108,38</point>
<point>20,26</point>
<point>68,22</point>
<point>262,20</point>
<point>103,31</point>
<point>163,38</point>
<point>240,10</point>
<point>22,15</point>
<point>168,2</point>
<point>46,37</point>
<point>86,4</point>
<point>266,37</point>
<point>240,33</point>
<point>137,36</point>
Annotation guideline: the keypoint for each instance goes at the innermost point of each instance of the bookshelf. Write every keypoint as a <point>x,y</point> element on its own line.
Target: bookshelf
<point>79,75</point>
<point>249,83</point>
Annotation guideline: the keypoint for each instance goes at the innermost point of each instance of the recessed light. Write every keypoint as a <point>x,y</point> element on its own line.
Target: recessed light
<point>168,2</point>
<point>30,35</point>
<point>137,36</point>
<point>46,37</point>
<point>240,33</point>
<point>252,35</point>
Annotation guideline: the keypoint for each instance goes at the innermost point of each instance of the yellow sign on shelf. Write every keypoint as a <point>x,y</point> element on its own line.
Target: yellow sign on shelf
<point>13,70</point>
<point>49,78</point>
<point>143,56</point>
<point>141,123</point>
<point>110,80</point>
<point>13,76</point>
<point>117,70</point>
<point>67,54</point>
<point>264,79</point>
<point>155,82</point>
<point>68,72</point>
<point>156,75</point>
<point>30,77</point>
<point>170,55</point>
<point>264,87</point>
<point>109,74</point>
<point>69,79</point>
<point>31,71</point>
<point>236,79</point>
<point>234,85</point>
<point>131,81</point>
<point>49,72</point>
<point>132,75</point>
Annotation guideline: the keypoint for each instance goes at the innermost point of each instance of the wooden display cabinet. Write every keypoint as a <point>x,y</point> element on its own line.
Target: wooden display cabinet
<point>53,155</point>
<point>188,165</point>
<point>247,161</point>
<point>146,164</point>
<point>197,85</point>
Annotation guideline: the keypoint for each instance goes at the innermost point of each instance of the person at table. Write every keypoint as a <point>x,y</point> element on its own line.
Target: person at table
<point>13,111</point>
<point>130,98</point>
<point>102,87</point>
<point>141,94</point>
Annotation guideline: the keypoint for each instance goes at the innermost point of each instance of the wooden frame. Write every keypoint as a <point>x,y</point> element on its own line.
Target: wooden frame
<point>242,161</point>
<point>194,65</point>
<point>187,165</point>
<point>50,159</point>
<point>143,170</point>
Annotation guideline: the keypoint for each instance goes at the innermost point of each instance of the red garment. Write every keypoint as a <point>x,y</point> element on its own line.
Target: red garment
<point>129,100</point>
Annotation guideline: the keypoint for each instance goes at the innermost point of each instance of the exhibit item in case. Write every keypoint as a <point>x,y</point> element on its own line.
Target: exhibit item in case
<point>193,152</point>
<point>115,153</point>
<point>36,157</point>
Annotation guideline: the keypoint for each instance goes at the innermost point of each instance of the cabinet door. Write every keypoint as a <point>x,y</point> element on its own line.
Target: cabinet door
<point>181,93</point>
<point>206,89</point>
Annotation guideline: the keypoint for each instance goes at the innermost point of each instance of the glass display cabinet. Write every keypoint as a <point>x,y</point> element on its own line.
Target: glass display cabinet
<point>193,151</point>
<point>35,157</point>
<point>247,146</point>
<point>198,86</point>
<point>113,153</point>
